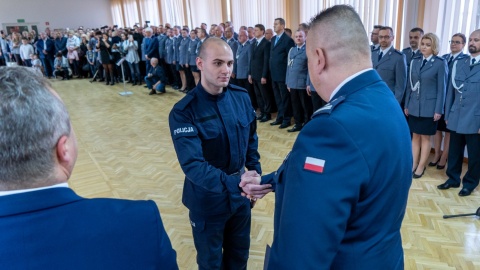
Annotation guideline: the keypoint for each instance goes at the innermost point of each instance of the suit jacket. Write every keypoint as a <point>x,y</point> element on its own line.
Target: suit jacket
<point>259,63</point>
<point>169,45</point>
<point>57,229</point>
<point>450,64</point>
<point>242,60</point>
<point>408,55</point>
<point>183,51</point>
<point>330,193</point>
<point>278,57</point>
<point>463,115</point>
<point>151,47</point>
<point>176,48</point>
<point>192,52</point>
<point>161,46</point>
<point>233,45</point>
<point>297,70</point>
<point>392,67</point>
<point>158,74</point>
<point>50,48</point>
<point>429,97</point>
<point>61,45</point>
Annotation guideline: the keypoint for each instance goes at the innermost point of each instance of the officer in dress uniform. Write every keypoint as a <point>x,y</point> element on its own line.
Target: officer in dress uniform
<point>390,63</point>
<point>213,129</point>
<point>462,115</point>
<point>296,81</point>
<point>331,190</point>
<point>414,37</point>
<point>242,63</point>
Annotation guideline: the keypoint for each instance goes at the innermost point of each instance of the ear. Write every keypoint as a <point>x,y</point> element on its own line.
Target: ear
<point>199,62</point>
<point>65,155</point>
<point>320,61</point>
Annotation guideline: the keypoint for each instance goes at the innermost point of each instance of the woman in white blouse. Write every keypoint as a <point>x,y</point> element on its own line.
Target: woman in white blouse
<point>130,47</point>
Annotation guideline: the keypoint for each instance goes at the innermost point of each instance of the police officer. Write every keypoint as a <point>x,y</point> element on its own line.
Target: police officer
<point>390,64</point>
<point>213,129</point>
<point>462,109</point>
<point>331,192</point>
<point>296,81</point>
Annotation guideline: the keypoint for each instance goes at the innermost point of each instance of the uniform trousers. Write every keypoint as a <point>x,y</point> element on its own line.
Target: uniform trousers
<point>176,75</point>
<point>264,97</point>
<point>455,159</point>
<point>283,101</point>
<point>230,232</point>
<point>301,105</point>
<point>251,93</point>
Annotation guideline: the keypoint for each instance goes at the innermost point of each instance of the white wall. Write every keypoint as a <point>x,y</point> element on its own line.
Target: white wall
<point>59,13</point>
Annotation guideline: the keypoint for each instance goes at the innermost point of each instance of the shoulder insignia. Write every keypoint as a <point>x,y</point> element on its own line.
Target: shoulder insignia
<point>183,103</point>
<point>462,56</point>
<point>237,88</point>
<point>329,107</point>
<point>397,51</point>
<point>417,57</point>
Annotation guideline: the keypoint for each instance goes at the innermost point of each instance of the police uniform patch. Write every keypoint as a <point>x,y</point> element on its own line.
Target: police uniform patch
<point>329,107</point>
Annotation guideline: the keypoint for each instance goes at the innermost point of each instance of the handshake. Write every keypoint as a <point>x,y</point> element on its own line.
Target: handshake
<point>251,187</point>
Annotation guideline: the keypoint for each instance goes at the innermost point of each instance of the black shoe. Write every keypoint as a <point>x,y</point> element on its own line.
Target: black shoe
<point>265,118</point>
<point>101,80</point>
<point>176,87</point>
<point>134,83</point>
<point>284,125</point>
<point>441,167</point>
<point>447,185</point>
<point>94,80</point>
<point>295,128</point>
<point>464,192</point>
<point>416,176</point>
<point>260,116</point>
<point>152,92</point>
<point>145,86</point>
<point>275,123</point>
<point>112,83</point>
<point>433,164</point>
<point>107,82</point>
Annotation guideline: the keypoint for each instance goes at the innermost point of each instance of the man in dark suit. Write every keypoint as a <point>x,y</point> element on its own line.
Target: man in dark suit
<point>390,64</point>
<point>258,73</point>
<point>279,49</point>
<point>462,108</point>
<point>330,192</point>
<point>151,46</point>
<point>44,224</point>
<point>46,49</point>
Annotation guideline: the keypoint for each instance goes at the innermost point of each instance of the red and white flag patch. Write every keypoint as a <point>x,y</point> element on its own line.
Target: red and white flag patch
<point>314,164</point>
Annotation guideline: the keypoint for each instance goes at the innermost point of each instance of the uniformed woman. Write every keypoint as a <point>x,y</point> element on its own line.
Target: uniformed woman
<point>425,98</point>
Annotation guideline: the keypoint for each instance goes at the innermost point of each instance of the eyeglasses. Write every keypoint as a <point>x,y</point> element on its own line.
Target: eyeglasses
<point>384,37</point>
<point>455,42</point>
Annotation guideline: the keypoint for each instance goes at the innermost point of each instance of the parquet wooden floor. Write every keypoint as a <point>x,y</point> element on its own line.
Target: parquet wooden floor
<point>125,151</point>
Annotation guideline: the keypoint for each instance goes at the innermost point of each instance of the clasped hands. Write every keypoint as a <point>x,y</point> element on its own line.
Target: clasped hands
<point>252,189</point>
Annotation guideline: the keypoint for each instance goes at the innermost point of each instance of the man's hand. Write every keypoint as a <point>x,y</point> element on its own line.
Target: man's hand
<point>251,187</point>
<point>250,79</point>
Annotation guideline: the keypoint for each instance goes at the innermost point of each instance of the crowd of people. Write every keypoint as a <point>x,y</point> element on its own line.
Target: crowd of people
<point>435,93</point>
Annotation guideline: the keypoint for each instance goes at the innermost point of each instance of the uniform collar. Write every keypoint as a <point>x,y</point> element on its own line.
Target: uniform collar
<point>347,80</point>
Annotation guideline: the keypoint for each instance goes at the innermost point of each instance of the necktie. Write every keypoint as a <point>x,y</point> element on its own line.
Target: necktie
<point>423,63</point>
<point>298,49</point>
<point>380,56</point>
<point>450,60</point>
<point>473,63</point>
<point>413,54</point>
<point>276,40</point>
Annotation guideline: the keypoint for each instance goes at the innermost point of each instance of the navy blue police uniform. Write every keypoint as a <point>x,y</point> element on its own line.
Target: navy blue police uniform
<point>215,139</point>
<point>338,205</point>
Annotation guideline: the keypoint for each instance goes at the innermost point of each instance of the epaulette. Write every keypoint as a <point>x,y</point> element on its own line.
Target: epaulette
<point>329,107</point>
<point>462,57</point>
<point>439,58</point>
<point>417,57</point>
<point>183,103</point>
<point>237,88</point>
<point>397,51</point>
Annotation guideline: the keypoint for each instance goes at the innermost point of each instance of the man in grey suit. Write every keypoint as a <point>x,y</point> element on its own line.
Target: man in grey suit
<point>390,63</point>
<point>413,51</point>
<point>296,81</point>
<point>463,120</point>
<point>281,44</point>
<point>241,64</point>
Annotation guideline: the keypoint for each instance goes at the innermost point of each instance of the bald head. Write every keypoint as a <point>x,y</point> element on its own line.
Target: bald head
<point>339,57</point>
<point>211,44</point>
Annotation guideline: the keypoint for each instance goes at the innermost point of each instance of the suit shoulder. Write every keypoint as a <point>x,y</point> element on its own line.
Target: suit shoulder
<point>397,52</point>
<point>329,107</point>
<point>183,103</point>
<point>440,58</point>
<point>462,56</point>
<point>406,50</point>
<point>237,88</point>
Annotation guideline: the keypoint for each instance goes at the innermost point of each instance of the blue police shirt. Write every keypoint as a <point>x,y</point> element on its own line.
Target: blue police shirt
<point>215,139</point>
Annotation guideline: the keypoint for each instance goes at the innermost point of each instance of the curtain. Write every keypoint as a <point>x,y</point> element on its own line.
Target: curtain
<point>251,12</point>
<point>207,11</point>
<point>149,11</point>
<point>117,12</point>
<point>173,12</point>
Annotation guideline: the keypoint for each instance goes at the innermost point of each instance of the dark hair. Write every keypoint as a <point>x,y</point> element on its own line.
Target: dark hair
<point>417,29</point>
<point>281,20</point>
<point>59,54</point>
<point>303,25</point>
<point>462,36</point>
<point>288,30</point>
<point>377,26</point>
<point>260,26</point>
<point>387,28</point>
